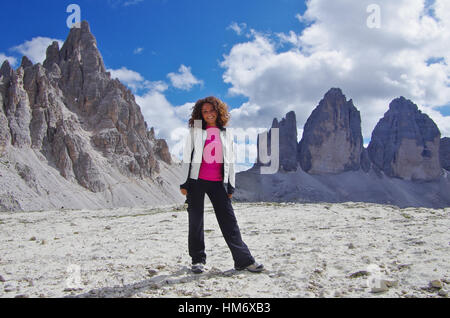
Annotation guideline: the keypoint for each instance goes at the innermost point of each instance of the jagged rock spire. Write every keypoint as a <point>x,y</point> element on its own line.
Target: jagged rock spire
<point>6,70</point>
<point>287,142</point>
<point>332,140</point>
<point>81,45</point>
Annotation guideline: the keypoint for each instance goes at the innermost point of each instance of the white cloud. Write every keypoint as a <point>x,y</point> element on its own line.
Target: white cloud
<point>292,71</point>
<point>169,121</point>
<point>132,79</point>
<point>12,60</point>
<point>132,2</point>
<point>126,76</point>
<point>124,3</point>
<point>239,28</point>
<point>138,50</point>
<point>184,79</point>
<point>36,48</point>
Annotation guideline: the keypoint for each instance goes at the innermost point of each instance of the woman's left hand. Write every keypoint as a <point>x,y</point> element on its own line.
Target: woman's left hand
<point>230,196</point>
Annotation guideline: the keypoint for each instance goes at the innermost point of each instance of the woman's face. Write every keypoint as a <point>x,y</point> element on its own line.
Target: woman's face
<point>209,114</point>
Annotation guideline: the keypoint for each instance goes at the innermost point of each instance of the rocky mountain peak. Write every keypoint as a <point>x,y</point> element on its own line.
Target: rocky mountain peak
<point>287,142</point>
<point>334,94</point>
<point>337,168</point>
<point>52,55</point>
<point>80,48</point>
<point>77,116</point>
<point>332,140</point>
<point>6,70</point>
<point>403,105</point>
<point>405,143</point>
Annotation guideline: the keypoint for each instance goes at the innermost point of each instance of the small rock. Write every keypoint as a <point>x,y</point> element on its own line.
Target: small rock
<point>359,274</point>
<point>107,227</point>
<point>152,272</point>
<point>69,289</point>
<point>379,287</point>
<point>403,266</point>
<point>33,238</point>
<point>2,279</point>
<point>22,296</point>
<point>443,293</point>
<point>351,246</point>
<point>391,283</point>
<point>9,288</point>
<point>436,284</point>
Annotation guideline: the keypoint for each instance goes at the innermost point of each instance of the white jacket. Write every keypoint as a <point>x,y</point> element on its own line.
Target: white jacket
<point>196,142</point>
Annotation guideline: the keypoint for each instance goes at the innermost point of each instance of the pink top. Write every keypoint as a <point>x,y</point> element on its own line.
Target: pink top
<point>212,162</point>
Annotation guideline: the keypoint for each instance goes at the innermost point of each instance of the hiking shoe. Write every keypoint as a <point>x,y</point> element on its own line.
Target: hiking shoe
<point>254,268</point>
<point>198,268</point>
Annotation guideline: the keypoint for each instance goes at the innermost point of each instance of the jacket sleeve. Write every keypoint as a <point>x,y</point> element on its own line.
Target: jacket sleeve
<point>187,159</point>
<point>232,172</point>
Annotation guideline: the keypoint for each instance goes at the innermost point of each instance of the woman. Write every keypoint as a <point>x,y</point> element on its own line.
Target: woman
<point>211,149</point>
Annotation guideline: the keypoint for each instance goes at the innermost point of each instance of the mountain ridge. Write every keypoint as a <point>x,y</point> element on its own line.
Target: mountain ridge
<point>72,117</point>
<point>402,165</point>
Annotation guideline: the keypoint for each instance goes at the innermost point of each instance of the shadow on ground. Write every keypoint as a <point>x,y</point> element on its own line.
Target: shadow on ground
<point>181,276</point>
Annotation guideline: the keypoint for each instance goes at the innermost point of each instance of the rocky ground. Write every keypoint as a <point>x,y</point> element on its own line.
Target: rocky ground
<point>309,250</point>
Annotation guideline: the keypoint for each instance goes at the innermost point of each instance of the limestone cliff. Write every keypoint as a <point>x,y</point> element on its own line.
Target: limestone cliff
<point>75,117</point>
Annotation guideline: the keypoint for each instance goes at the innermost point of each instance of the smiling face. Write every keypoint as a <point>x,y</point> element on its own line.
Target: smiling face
<point>209,114</point>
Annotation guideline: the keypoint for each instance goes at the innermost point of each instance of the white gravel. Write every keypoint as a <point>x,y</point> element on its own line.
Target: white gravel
<point>309,250</point>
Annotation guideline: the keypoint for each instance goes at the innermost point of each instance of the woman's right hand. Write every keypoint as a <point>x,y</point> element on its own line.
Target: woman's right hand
<point>183,191</point>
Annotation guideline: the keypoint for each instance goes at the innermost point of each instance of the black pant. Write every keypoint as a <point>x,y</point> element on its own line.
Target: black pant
<point>225,217</point>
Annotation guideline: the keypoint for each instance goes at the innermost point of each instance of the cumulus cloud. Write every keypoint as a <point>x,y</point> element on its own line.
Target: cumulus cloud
<point>157,110</point>
<point>36,48</point>
<point>184,79</point>
<point>12,60</point>
<point>134,80</point>
<point>408,55</point>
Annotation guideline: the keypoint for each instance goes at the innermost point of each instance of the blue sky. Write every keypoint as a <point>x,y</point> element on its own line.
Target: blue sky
<point>263,57</point>
<point>166,33</point>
